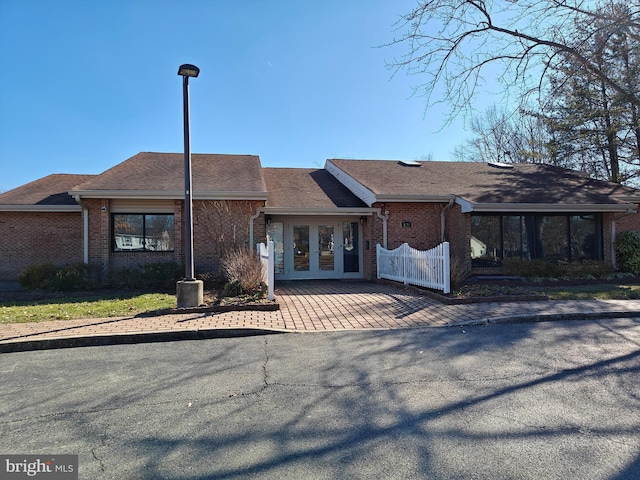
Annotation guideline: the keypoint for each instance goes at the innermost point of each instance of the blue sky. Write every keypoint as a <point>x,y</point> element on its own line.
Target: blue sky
<point>85,85</point>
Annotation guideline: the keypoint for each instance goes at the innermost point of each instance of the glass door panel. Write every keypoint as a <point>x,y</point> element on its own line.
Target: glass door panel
<point>351,247</point>
<point>301,248</point>
<point>275,234</point>
<point>326,244</point>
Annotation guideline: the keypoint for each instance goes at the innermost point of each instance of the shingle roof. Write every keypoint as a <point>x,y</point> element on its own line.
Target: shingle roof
<point>482,183</point>
<point>164,172</point>
<point>306,188</point>
<point>47,191</point>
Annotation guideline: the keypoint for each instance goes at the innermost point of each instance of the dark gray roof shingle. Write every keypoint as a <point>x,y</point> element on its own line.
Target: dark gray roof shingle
<point>49,190</point>
<point>482,183</point>
<point>158,172</point>
<point>307,188</point>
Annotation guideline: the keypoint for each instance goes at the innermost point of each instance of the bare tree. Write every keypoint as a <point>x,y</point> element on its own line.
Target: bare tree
<point>502,136</point>
<point>455,44</point>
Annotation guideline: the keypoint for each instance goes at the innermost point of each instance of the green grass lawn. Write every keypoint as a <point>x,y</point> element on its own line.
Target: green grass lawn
<point>590,292</point>
<point>96,306</point>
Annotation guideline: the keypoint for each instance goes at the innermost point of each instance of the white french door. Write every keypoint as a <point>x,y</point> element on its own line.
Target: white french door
<point>323,247</point>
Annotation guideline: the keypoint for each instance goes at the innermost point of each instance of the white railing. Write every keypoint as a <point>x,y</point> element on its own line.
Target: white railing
<point>266,258</point>
<point>426,268</point>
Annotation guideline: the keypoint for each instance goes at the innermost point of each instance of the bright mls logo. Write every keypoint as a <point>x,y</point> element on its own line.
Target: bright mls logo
<point>50,467</point>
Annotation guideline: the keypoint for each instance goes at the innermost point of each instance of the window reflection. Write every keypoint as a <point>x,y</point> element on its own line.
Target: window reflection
<point>140,232</point>
<point>555,238</point>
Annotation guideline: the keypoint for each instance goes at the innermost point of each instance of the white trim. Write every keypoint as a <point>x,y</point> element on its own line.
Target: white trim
<point>40,208</point>
<point>359,190</point>
<point>416,198</point>
<point>468,207</point>
<point>85,235</point>
<point>335,212</point>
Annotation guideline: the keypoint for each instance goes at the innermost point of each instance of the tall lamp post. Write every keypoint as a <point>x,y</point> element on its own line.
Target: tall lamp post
<point>189,291</point>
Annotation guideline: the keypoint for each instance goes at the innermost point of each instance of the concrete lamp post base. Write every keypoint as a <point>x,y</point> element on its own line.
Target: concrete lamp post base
<point>189,293</point>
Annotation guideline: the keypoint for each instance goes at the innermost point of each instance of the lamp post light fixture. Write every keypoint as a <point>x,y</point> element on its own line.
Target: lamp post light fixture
<point>189,290</point>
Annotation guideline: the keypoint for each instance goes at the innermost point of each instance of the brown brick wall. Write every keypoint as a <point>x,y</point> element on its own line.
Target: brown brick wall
<point>31,238</point>
<point>222,225</point>
<point>629,222</point>
<point>417,224</point>
<point>216,225</point>
<point>422,232</point>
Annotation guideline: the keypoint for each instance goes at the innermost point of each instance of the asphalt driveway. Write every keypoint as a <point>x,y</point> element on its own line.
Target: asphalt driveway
<point>552,400</point>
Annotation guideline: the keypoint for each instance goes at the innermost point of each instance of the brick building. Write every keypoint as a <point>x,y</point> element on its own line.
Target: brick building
<point>325,222</point>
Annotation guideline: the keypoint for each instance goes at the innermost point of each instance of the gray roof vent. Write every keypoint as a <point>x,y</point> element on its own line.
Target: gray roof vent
<point>409,163</point>
<point>500,165</point>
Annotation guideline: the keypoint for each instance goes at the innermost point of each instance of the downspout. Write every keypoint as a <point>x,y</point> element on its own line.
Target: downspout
<point>613,234</point>
<point>385,218</point>
<point>251,220</point>
<point>85,229</point>
<point>443,218</point>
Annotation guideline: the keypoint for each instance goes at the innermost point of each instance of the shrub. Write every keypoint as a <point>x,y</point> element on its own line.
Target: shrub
<point>162,275</point>
<point>77,276</point>
<point>37,276</point>
<point>588,269</point>
<point>458,271</point>
<point>628,251</point>
<point>243,270</point>
<point>210,280</point>
<point>530,268</point>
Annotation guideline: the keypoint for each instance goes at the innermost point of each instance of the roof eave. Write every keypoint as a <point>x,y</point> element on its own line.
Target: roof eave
<point>40,208</point>
<point>415,198</point>
<point>468,207</point>
<point>357,188</point>
<point>335,211</point>
<point>168,194</point>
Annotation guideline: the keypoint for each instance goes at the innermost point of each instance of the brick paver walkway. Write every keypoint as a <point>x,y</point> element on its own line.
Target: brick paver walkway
<point>323,306</point>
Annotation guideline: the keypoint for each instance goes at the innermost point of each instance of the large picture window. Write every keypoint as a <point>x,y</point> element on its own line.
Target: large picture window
<point>143,232</point>
<point>555,238</point>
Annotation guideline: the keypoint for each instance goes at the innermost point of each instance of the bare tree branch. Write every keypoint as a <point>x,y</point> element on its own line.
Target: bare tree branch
<point>454,43</point>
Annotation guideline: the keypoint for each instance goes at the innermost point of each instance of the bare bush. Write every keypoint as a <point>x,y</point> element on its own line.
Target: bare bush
<point>243,270</point>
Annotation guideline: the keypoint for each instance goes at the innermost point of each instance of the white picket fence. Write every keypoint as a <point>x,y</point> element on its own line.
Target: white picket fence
<point>266,254</point>
<point>426,268</point>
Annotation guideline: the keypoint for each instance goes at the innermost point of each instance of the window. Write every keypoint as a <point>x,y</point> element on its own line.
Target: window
<point>555,238</point>
<point>275,234</point>
<point>143,232</point>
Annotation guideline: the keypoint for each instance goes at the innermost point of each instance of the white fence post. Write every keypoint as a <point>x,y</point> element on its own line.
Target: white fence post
<point>266,255</point>
<point>447,267</point>
<point>271,270</point>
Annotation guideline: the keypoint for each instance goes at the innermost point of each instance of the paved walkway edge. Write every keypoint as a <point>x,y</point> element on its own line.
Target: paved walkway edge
<point>549,317</point>
<point>204,334</point>
<point>132,338</point>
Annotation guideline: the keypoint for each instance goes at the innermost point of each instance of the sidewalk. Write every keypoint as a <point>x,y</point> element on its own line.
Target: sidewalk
<point>307,306</point>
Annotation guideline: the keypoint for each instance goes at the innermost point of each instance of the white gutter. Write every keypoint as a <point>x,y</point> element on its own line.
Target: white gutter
<point>40,208</point>
<point>468,207</point>
<point>333,211</point>
<point>251,219</point>
<point>85,229</point>
<point>410,198</point>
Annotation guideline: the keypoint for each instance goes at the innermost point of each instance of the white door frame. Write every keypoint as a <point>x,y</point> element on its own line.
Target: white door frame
<point>314,271</point>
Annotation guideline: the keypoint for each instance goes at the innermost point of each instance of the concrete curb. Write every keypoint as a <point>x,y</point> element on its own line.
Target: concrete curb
<point>133,338</point>
<point>212,333</point>
<point>548,317</point>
